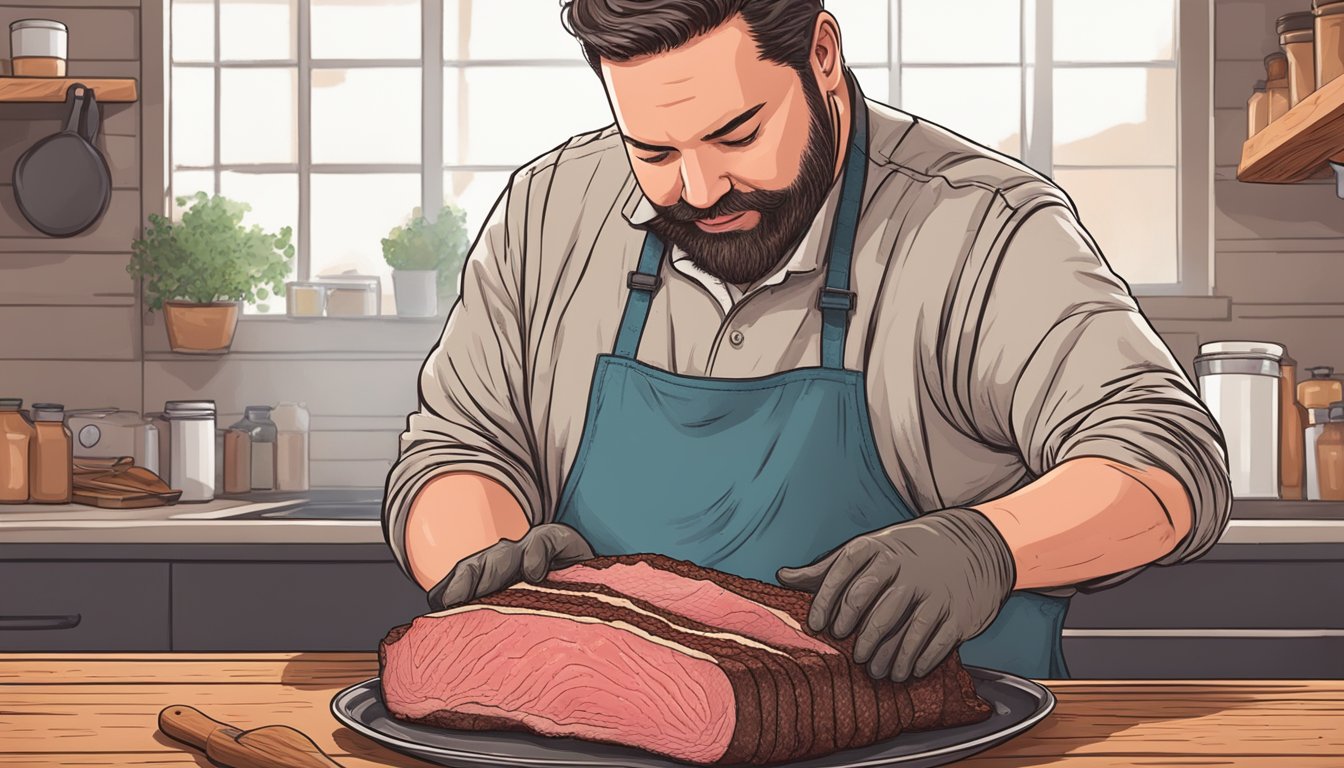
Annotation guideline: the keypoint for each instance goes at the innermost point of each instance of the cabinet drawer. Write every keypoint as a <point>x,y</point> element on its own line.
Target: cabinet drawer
<point>261,606</point>
<point>1159,654</point>
<point>1218,594</point>
<point>80,606</point>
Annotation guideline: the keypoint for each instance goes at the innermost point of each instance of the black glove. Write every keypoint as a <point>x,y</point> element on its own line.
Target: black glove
<point>914,591</point>
<point>544,547</point>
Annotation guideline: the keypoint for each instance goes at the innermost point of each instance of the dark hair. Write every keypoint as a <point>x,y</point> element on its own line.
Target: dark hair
<point>620,30</point>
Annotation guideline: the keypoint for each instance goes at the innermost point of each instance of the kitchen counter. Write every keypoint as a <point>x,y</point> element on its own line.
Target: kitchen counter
<point>233,527</point>
<point>102,709</point>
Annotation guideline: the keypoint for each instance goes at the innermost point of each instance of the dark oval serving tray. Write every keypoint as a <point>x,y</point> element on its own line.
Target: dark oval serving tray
<point>1018,705</point>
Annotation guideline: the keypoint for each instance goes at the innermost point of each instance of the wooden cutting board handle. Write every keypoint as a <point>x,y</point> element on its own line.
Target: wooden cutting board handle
<point>270,746</point>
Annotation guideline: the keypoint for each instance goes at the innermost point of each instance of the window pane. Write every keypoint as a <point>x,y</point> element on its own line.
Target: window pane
<point>193,114</point>
<point>863,29</point>
<point>875,82</point>
<point>982,104</point>
<point>1136,30</point>
<point>1121,116</point>
<point>475,192</point>
<point>1131,212</point>
<point>345,103</point>
<point>252,30</point>
<point>186,184</point>
<point>257,123</point>
<point>274,198</point>
<point>966,31</point>
<point>366,29</point>
<point>193,37</point>
<point>352,213</point>
<point>517,29</point>
<point>509,115</point>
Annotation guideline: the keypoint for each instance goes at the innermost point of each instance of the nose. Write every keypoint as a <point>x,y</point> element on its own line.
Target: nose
<point>701,183</point>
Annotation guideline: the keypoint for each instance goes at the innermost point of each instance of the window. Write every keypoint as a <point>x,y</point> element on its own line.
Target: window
<point>325,115</point>
<point>1084,92</point>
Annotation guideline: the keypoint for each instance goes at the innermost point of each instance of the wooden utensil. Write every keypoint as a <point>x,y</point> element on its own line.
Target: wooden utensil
<point>116,483</point>
<point>270,746</point>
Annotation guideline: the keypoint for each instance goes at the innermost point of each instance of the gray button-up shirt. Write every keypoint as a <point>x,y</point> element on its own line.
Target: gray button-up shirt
<point>995,340</point>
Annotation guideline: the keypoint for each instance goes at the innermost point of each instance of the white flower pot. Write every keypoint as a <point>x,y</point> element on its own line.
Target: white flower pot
<point>417,292</point>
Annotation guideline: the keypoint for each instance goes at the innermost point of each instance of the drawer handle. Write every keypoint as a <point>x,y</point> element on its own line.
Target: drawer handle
<point>39,622</point>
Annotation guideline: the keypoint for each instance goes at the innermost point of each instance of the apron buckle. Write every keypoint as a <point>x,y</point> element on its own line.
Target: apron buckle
<point>836,298</point>
<point>639,281</point>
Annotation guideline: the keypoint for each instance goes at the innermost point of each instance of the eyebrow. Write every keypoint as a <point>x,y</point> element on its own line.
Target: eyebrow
<point>726,129</point>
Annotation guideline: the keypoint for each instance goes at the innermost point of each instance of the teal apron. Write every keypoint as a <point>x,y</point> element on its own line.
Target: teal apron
<point>749,475</point>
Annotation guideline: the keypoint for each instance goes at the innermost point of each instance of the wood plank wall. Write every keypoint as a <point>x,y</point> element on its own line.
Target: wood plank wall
<point>69,315</point>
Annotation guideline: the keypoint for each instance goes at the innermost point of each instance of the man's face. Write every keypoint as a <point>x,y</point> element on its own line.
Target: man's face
<point>736,154</point>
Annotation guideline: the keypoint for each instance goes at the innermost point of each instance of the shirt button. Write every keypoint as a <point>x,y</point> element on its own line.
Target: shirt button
<point>736,338</point>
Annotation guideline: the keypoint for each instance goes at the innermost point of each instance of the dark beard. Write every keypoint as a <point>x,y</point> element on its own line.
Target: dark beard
<point>743,257</point>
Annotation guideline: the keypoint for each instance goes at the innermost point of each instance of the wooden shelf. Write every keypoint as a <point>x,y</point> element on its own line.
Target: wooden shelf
<point>52,89</point>
<point>1297,145</point>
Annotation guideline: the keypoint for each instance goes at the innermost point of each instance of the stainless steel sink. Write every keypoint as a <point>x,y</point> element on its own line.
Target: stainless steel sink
<point>324,510</point>
<point>322,504</point>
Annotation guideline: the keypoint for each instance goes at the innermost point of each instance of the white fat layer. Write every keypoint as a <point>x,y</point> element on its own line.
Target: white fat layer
<point>623,603</point>
<point>781,615</point>
<point>621,625</point>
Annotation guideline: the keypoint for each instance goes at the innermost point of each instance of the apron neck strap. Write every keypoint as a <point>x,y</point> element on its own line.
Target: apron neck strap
<point>642,283</point>
<point>837,300</point>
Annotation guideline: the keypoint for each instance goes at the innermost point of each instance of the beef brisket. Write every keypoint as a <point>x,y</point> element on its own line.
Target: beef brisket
<point>662,655</point>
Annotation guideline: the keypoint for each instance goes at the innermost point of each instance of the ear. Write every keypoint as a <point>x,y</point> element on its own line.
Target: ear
<point>827,58</point>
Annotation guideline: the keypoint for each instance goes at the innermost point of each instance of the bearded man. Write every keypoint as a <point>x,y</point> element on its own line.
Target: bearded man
<point>770,326</point>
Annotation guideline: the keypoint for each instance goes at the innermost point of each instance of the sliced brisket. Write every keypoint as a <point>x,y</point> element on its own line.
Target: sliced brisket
<point>661,655</point>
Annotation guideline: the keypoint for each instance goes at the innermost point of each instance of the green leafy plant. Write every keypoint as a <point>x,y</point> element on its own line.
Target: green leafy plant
<point>210,256</point>
<point>421,244</point>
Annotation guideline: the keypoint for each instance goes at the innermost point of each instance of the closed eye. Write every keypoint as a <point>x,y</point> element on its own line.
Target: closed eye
<point>656,159</point>
<point>745,140</point>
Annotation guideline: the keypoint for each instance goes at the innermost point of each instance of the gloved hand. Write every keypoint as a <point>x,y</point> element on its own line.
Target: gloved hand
<point>544,547</point>
<point>914,591</point>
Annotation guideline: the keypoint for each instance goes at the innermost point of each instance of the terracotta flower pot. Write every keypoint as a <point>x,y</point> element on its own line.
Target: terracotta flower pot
<point>200,328</point>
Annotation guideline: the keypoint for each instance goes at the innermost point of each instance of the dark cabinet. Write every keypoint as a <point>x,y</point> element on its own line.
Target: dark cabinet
<point>268,606</point>
<point>84,606</point>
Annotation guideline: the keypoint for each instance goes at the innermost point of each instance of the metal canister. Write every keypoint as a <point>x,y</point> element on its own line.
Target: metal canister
<point>38,47</point>
<point>1239,382</point>
<point>192,448</point>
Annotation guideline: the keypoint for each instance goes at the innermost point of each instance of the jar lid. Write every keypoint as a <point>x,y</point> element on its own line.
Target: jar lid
<point>189,409</point>
<point>37,24</point>
<point>1319,4</point>
<point>11,402</point>
<point>1337,411</point>
<point>350,281</point>
<point>1321,371</point>
<point>1242,348</point>
<point>173,406</point>
<point>1294,22</point>
<point>48,412</point>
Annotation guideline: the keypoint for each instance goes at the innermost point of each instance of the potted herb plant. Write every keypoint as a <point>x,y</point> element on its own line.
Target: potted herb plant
<point>200,269</point>
<point>426,257</point>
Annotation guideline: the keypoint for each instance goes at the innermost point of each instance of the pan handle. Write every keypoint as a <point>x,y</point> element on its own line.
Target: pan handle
<point>92,118</point>
<point>74,101</point>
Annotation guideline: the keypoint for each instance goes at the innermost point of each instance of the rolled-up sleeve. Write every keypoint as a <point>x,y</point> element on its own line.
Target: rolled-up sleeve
<point>470,417</point>
<point>1065,365</point>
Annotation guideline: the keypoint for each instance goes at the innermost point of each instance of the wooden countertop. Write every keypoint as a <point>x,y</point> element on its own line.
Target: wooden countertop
<point>101,710</point>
